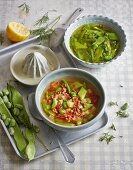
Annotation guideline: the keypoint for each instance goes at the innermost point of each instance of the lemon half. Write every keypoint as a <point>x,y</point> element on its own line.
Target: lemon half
<point>17,32</point>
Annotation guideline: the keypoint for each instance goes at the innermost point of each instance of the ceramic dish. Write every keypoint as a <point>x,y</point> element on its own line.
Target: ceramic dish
<point>18,58</point>
<point>100,20</point>
<point>72,72</point>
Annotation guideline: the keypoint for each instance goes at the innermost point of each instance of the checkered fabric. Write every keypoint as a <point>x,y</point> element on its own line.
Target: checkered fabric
<point>90,153</point>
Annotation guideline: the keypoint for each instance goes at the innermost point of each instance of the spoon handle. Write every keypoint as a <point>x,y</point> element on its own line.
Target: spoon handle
<point>68,155</point>
<point>73,16</point>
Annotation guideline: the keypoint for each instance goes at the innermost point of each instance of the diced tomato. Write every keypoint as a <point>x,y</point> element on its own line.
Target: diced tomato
<point>94,98</point>
<point>58,107</point>
<point>53,86</point>
<point>67,96</point>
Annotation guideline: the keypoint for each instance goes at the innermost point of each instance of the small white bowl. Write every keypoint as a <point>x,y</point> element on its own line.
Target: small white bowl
<point>17,60</point>
<point>100,20</point>
<point>66,72</point>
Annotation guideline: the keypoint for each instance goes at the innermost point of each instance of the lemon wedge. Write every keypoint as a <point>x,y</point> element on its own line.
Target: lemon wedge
<point>17,32</point>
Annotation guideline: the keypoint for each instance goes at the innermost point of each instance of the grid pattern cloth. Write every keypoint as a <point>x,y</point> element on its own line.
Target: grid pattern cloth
<point>90,153</point>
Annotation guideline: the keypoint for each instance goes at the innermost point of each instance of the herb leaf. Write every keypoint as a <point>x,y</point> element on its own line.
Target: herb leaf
<point>113,127</point>
<point>24,7</point>
<point>124,106</point>
<point>111,103</point>
<point>1,38</point>
<point>122,114</point>
<point>42,20</point>
<point>107,137</point>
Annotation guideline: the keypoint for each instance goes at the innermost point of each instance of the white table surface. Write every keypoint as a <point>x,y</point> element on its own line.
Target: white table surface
<point>90,153</point>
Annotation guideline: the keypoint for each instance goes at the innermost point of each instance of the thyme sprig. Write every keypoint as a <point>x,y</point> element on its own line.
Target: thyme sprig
<point>1,38</point>
<point>106,137</point>
<point>24,7</point>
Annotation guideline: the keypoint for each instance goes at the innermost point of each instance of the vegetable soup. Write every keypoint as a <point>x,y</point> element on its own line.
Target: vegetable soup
<point>70,101</point>
<point>94,43</point>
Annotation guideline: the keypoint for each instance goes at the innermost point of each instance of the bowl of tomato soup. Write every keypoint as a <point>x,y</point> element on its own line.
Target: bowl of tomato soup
<point>70,99</point>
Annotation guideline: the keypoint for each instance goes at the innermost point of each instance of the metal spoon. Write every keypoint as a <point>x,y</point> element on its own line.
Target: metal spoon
<point>57,37</point>
<point>68,155</point>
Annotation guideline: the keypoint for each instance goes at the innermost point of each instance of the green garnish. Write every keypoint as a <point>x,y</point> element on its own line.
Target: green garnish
<point>24,7</point>
<point>42,20</point>
<point>44,28</point>
<point>122,114</point>
<point>113,103</point>
<point>1,38</point>
<point>124,106</point>
<point>113,127</point>
<point>107,137</point>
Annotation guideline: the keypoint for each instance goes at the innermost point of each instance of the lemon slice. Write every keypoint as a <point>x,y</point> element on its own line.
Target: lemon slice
<point>17,32</point>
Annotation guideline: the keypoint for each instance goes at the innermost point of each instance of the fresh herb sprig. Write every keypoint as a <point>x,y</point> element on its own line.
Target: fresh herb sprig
<point>113,127</point>
<point>45,28</point>
<point>24,7</point>
<point>111,103</point>
<point>1,38</point>
<point>106,137</point>
<point>43,20</point>
<point>122,114</point>
<point>124,106</point>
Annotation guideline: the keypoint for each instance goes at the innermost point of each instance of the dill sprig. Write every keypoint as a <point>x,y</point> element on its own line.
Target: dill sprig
<point>45,27</point>
<point>1,38</point>
<point>42,20</point>
<point>24,7</point>
<point>107,137</point>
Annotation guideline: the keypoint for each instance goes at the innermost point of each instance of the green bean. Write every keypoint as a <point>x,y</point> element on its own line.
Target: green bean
<point>58,89</point>
<point>67,86</point>
<point>54,104</point>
